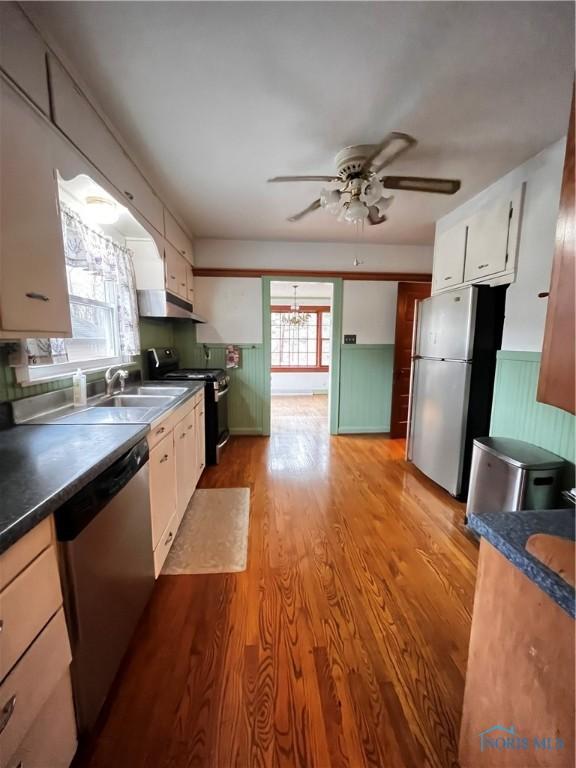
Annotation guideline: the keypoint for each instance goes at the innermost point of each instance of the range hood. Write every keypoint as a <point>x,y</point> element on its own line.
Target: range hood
<point>157,303</point>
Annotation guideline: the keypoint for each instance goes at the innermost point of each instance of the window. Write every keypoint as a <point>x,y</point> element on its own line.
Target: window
<point>103,309</point>
<point>301,347</point>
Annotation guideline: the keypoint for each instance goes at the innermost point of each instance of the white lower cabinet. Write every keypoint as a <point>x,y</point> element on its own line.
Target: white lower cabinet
<point>51,739</point>
<point>37,722</point>
<point>176,463</point>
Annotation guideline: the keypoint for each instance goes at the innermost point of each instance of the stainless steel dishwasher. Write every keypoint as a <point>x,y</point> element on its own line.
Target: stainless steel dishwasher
<point>105,545</point>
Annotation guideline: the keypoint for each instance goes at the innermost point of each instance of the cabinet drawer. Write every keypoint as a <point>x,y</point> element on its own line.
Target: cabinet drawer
<point>23,55</point>
<point>27,688</point>
<point>162,486</point>
<point>165,543</point>
<point>176,235</point>
<point>51,740</point>
<point>24,551</point>
<point>159,431</point>
<point>26,606</point>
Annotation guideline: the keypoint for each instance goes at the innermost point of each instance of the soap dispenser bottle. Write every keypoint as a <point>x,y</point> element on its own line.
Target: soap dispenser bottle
<point>79,386</point>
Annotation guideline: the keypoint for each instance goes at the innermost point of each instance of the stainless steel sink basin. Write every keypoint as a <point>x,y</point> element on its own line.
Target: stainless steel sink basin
<point>135,401</point>
<point>156,391</point>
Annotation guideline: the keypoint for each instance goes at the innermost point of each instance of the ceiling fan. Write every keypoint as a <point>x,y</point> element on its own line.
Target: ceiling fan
<point>356,193</point>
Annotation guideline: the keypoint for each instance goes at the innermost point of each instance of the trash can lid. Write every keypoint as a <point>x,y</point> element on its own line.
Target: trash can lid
<point>519,453</point>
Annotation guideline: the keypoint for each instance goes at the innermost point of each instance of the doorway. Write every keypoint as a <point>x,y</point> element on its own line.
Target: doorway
<point>408,295</point>
<point>302,325</point>
<point>300,355</point>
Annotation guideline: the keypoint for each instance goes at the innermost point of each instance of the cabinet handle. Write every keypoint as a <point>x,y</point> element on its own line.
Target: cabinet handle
<point>172,277</point>
<point>191,426</point>
<point>38,296</point>
<point>544,295</point>
<point>183,285</point>
<point>483,266</point>
<point>169,539</point>
<point>183,435</point>
<point>164,458</point>
<point>448,277</point>
<point>1,624</point>
<point>129,195</point>
<point>7,711</point>
<point>161,430</point>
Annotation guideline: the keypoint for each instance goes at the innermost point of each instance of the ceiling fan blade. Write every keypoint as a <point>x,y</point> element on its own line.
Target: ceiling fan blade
<point>304,178</point>
<point>420,184</point>
<point>312,207</point>
<point>390,148</point>
<point>374,217</point>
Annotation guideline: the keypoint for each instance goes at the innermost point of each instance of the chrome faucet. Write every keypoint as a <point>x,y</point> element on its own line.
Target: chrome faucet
<point>110,378</point>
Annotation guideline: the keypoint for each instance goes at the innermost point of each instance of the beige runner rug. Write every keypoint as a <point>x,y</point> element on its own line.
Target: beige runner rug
<point>213,534</point>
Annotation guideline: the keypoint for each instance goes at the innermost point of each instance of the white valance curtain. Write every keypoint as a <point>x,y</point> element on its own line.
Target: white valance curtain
<point>98,268</point>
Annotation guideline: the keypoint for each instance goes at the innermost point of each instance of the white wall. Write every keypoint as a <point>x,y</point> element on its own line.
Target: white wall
<point>232,307</point>
<point>295,383</point>
<point>253,254</point>
<point>525,312</point>
<point>369,311</point>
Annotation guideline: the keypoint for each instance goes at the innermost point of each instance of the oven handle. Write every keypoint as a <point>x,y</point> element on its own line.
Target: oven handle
<point>220,393</point>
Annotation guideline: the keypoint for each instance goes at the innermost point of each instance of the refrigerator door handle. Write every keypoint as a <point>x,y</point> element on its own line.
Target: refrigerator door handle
<point>413,358</point>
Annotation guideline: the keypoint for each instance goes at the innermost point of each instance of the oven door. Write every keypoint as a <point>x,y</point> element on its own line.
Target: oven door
<point>221,401</point>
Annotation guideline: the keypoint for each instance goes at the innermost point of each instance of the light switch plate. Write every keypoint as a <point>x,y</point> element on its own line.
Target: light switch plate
<point>349,338</point>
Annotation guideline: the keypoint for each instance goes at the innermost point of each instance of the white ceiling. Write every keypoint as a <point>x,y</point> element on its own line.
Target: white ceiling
<point>215,97</point>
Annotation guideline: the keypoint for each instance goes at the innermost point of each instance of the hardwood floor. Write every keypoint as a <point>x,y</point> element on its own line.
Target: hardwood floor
<point>299,413</point>
<point>343,644</point>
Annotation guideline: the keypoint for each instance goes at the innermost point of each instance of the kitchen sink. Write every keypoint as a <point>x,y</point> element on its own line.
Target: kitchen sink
<point>156,391</point>
<point>135,401</point>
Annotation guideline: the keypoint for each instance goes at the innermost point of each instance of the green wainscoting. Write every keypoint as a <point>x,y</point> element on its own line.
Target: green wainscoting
<point>515,412</point>
<point>366,375</point>
<point>246,398</point>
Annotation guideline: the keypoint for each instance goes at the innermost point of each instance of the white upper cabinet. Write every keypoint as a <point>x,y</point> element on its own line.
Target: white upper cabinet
<point>449,253</point>
<point>176,235</point>
<point>23,55</point>
<point>482,248</point>
<point>76,117</point>
<point>33,285</point>
<point>493,238</point>
<point>176,278</point>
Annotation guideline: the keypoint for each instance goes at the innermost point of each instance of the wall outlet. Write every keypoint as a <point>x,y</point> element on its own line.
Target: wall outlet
<point>349,338</point>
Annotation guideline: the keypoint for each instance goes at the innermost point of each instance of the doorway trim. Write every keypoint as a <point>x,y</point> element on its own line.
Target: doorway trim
<point>334,394</point>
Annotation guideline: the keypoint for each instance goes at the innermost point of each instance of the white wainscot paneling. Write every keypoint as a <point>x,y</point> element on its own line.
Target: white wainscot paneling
<point>299,383</point>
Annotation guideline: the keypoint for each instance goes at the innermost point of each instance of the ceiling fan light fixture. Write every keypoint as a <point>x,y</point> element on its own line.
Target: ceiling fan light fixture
<point>330,200</point>
<point>356,212</point>
<point>383,204</point>
<point>372,191</point>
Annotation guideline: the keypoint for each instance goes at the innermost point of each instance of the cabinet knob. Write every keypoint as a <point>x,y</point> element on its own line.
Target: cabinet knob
<point>164,458</point>
<point>37,296</point>
<point>169,539</point>
<point>159,431</point>
<point>129,195</point>
<point>483,266</point>
<point>448,277</point>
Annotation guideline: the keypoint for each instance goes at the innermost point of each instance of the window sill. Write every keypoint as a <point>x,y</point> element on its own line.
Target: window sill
<point>23,372</point>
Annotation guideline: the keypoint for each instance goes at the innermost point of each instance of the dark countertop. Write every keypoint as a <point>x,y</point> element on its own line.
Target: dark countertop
<point>43,466</point>
<point>508,532</point>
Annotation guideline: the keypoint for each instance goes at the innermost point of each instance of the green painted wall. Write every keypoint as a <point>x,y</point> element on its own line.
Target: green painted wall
<point>515,412</point>
<point>366,375</point>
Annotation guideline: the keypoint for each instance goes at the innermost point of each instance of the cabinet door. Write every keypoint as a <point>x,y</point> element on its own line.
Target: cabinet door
<point>487,244</point>
<point>162,485</point>
<point>33,288</point>
<point>175,272</point>
<point>189,284</point>
<point>449,253</point>
<point>556,385</point>
<point>176,235</point>
<point>184,470</point>
<point>76,117</point>
<point>200,438</point>
<point>23,55</point>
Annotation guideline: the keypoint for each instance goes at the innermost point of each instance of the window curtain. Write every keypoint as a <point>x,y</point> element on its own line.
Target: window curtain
<point>94,262</point>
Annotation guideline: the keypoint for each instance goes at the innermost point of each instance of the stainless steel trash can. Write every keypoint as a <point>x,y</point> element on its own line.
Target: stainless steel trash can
<point>509,475</point>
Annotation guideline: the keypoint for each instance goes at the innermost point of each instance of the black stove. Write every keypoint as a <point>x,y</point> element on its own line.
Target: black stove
<point>164,365</point>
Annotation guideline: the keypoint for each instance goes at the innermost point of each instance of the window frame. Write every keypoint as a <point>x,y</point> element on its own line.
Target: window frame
<point>313,309</point>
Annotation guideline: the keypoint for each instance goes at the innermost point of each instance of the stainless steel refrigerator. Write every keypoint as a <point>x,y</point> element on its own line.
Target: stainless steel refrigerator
<point>456,337</point>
